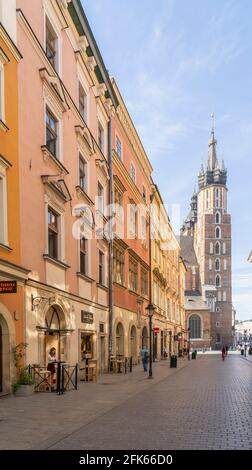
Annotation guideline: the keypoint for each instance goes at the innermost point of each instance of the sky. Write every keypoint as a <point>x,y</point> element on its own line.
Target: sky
<point>176,62</point>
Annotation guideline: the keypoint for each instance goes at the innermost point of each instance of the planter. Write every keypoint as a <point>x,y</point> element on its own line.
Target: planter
<point>24,391</point>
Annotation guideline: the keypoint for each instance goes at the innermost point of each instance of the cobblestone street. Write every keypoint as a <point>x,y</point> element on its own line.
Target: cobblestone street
<point>204,404</point>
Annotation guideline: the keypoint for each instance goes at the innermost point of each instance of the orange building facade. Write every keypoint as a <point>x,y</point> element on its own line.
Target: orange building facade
<point>12,274</point>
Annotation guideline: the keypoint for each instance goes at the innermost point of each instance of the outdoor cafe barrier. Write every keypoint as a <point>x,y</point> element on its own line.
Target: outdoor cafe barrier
<point>66,378</point>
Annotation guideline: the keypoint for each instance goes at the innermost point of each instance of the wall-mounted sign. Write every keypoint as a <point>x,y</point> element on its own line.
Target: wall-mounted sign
<point>8,287</point>
<point>87,317</point>
<point>156,329</point>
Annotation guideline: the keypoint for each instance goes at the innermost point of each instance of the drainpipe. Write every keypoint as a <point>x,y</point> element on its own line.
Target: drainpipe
<point>111,300</point>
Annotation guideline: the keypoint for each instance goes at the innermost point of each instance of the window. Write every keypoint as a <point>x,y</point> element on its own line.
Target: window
<point>83,255</point>
<point>133,275</point>
<point>217,218</point>
<point>133,220</point>
<point>101,267</point>
<point>51,44</point>
<point>100,136</point>
<point>219,296</point>
<point>82,102</point>
<point>217,324</point>
<point>217,281</point>
<point>3,206</point>
<point>207,199</point>
<point>100,198</point>
<point>119,147</point>
<point>224,296</point>
<point>144,194</point>
<point>211,248</point>
<point>195,326</point>
<point>224,248</point>
<point>133,173</point>
<point>217,232</point>
<point>143,227</point>
<point>51,132</point>
<point>225,264</point>
<point>53,233</point>
<point>144,282</point>
<point>1,91</point>
<point>217,265</point>
<point>155,292</point>
<point>82,173</point>
<point>217,248</point>
<point>210,264</point>
<point>217,197</point>
<point>118,200</point>
<point>118,269</point>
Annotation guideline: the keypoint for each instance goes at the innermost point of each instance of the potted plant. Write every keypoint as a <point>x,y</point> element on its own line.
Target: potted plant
<point>25,384</point>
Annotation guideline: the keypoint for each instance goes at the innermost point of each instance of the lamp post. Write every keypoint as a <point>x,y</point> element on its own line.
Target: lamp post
<point>188,347</point>
<point>150,310</point>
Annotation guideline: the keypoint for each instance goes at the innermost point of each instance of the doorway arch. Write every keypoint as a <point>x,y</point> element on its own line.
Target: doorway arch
<point>55,333</point>
<point>5,356</point>
<point>119,340</point>
<point>133,344</point>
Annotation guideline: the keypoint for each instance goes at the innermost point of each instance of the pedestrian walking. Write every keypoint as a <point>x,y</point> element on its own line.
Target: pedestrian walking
<point>145,358</point>
<point>223,353</point>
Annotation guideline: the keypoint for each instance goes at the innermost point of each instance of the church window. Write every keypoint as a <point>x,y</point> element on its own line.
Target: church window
<point>217,218</point>
<point>217,248</point>
<point>217,197</point>
<point>217,281</point>
<point>211,247</point>
<point>207,199</point>
<point>225,264</point>
<point>217,232</point>
<point>210,264</point>
<point>217,264</point>
<point>224,248</point>
<point>195,326</point>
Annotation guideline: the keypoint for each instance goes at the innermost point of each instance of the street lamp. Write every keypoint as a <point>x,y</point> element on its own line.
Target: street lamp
<point>150,310</point>
<point>188,344</point>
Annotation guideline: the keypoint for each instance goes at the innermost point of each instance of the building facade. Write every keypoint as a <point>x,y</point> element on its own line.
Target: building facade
<point>12,322</point>
<point>64,154</point>
<point>208,227</point>
<point>131,196</point>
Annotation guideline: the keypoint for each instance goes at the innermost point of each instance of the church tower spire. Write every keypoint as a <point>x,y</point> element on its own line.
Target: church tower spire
<point>212,158</point>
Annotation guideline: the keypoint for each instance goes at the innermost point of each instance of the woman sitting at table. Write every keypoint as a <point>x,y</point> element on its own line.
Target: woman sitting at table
<point>51,365</point>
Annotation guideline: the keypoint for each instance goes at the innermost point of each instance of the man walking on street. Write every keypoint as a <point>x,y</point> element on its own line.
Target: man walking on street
<point>145,358</point>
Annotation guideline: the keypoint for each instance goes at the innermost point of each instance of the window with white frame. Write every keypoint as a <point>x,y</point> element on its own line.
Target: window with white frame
<point>218,281</point>
<point>225,264</point>
<point>224,248</point>
<point>217,264</point>
<point>100,194</point>
<point>217,197</point>
<point>84,256</point>
<point>133,173</point>
<point>118,145</point>
<point>217,218</point>
<point>3,209</point>
<point>100,136</point>
<point>101,267</point>
<point>133,220</point>
<point>2,110</point>
<point>52,129</point>
<point>82,173</point>
<point>210,264</point>
<point>217,248</point>
<point>207,199</point>
<point>51,45</point>
<point>217,232</point>
<point>53,233</point>
<point>82,102</point>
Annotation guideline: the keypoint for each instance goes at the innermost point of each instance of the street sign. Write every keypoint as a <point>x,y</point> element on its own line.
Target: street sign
<point>156,329</point>
<point>8,287</point>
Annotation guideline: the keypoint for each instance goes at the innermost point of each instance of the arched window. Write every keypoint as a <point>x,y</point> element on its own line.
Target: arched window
<point>217,248</point>
<point>195,326</point>
<point>217,264</point>
<point>210,264</point>
<point>217,197</point>
<point>211,247</point>
<point>224,248</point>
<point>217,218</point>
<point>207,199</point>
<point>217,281</point>
<point>217,232</point>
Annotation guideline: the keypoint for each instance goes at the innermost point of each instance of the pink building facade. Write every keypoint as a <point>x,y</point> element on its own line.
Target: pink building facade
<point>66,101</point>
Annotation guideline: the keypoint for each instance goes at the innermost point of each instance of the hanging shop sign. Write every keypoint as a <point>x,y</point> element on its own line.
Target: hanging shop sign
<point>8,287</point>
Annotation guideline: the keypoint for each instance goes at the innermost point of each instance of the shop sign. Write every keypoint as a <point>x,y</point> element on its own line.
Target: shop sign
<point>8,287</point>
<point>87,317</point>
<point>156,329</point>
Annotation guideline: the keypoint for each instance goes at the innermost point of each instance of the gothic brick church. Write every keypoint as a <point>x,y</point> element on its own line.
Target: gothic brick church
<point>206,249</point>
